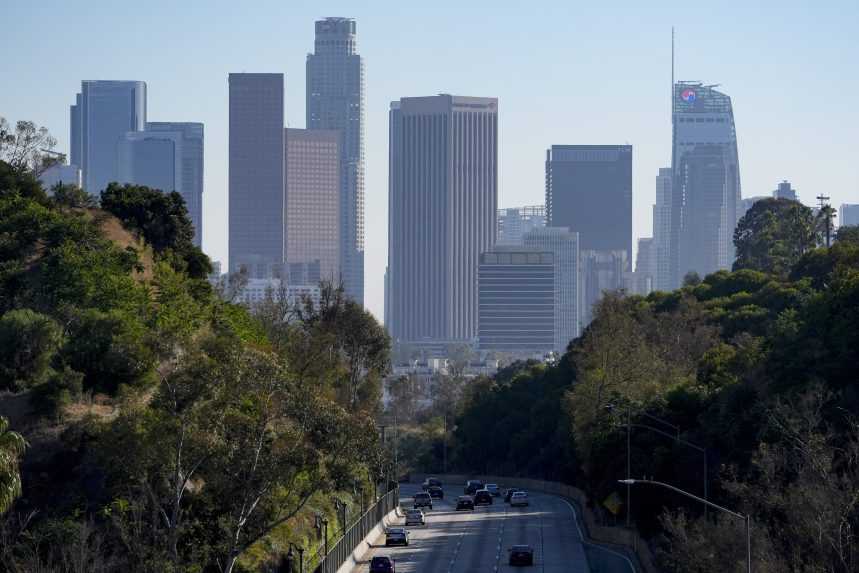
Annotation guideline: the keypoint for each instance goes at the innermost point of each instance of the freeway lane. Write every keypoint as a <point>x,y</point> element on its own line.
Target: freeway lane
<point>477,542</point>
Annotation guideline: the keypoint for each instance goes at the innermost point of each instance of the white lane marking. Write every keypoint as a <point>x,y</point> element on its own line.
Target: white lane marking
<point>601,548</point>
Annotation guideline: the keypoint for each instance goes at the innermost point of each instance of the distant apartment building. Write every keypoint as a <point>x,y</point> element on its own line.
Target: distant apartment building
<point>60,174</point>
<point>644,278</point>
<point>258,291</point>
<point>662,230</point>
<point>103,112</point>
<point>589,191</point>
<point>602,272</point>
<point>312,168</point>
<point>705,191</point>
<point>785,191</point>
<point>257,214</point>
<point>515,222</point>
<point>564,246</point>
<point>516,299</point>
<point>443,188</point>
<point>849,215</point>
<point>335,101</point>
<point>167,156</point>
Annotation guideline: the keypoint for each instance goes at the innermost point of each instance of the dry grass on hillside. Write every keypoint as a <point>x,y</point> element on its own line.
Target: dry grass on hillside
<point>122,237</point>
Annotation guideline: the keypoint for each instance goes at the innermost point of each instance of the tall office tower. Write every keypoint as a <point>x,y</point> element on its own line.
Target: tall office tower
<point>167,156</point>
<point>103,113</point>
<point>662,230</point>
<point>785,191</point>
<point>849,215</point>
<point>313,199</point>
<point>601,272</point>
<point>442,205</point>
<point>645,267</point>
<point>564,246</point>
<point>589,190</point>
<point>516,294</point>
<point>335,100</point>
<point>257,216</point>
<point>514,223</point>
<point>706,181</point>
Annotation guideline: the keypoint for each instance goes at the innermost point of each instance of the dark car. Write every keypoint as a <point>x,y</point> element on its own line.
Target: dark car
<point>435,492</point>
<point>464,502</point>
<point>521,555</point>
<point>509,493</point>
<point>472,486</point>
<point>431,482</point>
<point>482,497</point>
<point>382,564</point>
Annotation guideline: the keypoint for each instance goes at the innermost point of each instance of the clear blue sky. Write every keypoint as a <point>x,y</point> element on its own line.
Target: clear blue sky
<point>566,72</point>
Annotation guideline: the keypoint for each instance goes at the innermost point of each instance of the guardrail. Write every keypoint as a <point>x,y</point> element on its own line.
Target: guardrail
<point>596,531</point>
<point>354,536</point>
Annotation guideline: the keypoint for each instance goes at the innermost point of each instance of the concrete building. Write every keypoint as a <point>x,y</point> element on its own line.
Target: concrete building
<point>645,267</point>
<point>104,111</point>
<point>564,246</point>
<point>313,199</point>
<point>257,291</point>
<point>785,191</point>
<point>257,210</point>
<point>514,223</point>
<point>167,156</point>
<point>516,295</point>
<point>62,174</point>
<point>849,215</point>
<point>601,271</point>
<point>706,181</point>
<point>589,190</point>
<point>442,205</point>
<point>335,101</point>
<point>662,230</point>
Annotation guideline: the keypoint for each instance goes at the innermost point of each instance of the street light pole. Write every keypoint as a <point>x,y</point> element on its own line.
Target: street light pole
<point>745,518</point>
<point>628,467</point>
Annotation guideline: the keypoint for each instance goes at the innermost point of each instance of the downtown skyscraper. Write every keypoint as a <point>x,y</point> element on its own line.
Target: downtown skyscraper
<point>705,190</point>
<point>103,112</point>
<point>257,217</point>
<point>442,205</point>
<point>335,101</point>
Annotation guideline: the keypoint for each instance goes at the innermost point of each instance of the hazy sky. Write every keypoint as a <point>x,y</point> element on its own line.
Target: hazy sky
<point>566,72</point>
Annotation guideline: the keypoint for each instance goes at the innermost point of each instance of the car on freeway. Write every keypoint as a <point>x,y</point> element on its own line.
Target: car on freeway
<point>472,486</point>
<point>382,564</point>
<point>521,555</point>
<point>422,499</point>
<point>493,489</point>
<point>509,493</point>
<point>464,502</point>
<point>436,492</point>
<point>396,536</point>
<point>482,497</point>
<point>415,517</point>
<point>431,482</point>
<point>519,499</point>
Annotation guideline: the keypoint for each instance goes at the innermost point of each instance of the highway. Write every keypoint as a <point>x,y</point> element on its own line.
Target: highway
<point>477,541</point>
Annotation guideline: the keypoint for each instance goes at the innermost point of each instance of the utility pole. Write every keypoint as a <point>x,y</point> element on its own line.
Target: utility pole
<point>444,446</point>
<point>829,213</point>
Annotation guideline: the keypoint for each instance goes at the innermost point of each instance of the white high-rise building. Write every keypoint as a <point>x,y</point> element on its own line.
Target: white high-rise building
<point>515,222</point>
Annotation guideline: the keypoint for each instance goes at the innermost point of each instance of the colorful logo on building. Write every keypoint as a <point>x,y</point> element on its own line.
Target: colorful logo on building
<point>688,95</point>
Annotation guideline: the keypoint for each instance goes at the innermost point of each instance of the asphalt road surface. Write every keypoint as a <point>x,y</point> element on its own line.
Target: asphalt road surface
<point>477,541</point>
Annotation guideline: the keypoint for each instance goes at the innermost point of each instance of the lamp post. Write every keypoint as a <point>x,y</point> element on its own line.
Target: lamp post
<point>290,557</point>
<point>746,518</point>
<point>676,437</point>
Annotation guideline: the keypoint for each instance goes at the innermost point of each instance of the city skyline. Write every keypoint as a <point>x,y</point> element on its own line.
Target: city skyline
<point>585,108</point>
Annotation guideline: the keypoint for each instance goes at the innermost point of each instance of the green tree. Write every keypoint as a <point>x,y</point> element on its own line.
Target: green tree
<point>72,196</point>
<point>773,235</point>
<point>12,446</point>
<point>28,343</point>
<point>27,148</point>
<point>848,234</point>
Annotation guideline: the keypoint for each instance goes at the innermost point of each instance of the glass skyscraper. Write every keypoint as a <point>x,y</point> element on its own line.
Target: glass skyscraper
<point>335,101</point>
<point>104,111</point>
<point>705,190</point>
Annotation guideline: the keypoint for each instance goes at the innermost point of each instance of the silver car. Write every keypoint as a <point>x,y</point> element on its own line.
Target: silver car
<point>396,536</point>
<point>519,499</point>
<point>415,517</point>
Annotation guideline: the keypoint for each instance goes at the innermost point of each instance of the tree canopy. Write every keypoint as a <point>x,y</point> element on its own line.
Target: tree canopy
<point>773,235</point>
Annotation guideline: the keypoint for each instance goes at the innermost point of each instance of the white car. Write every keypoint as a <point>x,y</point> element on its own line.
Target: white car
<point>492,488</point>
<point>519,499</point>
<point>396,536</point>
<point>415,517</point>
